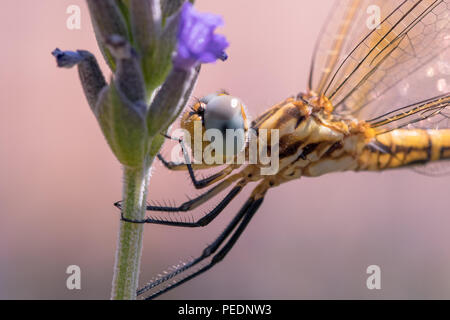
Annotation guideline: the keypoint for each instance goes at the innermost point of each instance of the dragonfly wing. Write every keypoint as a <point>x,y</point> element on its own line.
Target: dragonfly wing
<point>397,74</point>
<point>434,169</point>
<point>432,113</point>
<point>339,36</point>
<point>402,60</point>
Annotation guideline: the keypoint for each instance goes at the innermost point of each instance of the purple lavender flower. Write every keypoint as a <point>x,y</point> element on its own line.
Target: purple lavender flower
<point>197,42</point>
<point>67,59</point>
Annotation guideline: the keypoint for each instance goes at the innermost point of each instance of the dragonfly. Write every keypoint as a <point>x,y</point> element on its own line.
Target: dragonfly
<point>377,98</point>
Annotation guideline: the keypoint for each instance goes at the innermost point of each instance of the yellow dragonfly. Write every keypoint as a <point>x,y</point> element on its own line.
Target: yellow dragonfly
<point>377,98</point>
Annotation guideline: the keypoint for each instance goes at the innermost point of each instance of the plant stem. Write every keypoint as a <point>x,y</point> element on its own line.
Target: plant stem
<point>129,246</point>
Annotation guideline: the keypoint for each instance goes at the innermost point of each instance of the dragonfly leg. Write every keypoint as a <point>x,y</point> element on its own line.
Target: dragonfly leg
<point>198,184</point>
<point>239,222</point>
<point>171,165</point>
<point>192,204</point>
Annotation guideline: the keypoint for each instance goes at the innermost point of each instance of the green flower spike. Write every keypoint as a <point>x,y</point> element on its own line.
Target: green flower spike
<point>139,40</point>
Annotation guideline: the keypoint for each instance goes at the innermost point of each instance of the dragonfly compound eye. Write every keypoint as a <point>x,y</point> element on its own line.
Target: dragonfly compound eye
<point>225,118</point>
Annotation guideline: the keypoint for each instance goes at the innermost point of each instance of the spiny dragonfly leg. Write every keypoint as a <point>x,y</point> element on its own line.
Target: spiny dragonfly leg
<point>192,204</point>
<point>239,222</point>
<point>180,165</point>
<point>198,184</point>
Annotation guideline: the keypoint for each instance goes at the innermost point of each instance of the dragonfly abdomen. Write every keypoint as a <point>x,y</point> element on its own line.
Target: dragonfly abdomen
<point>402,147</point>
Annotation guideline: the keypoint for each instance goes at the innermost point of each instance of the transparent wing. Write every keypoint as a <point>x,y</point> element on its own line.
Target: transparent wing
<point>430,113</point>
<point>434,169</point>
<point>342,31</point>
<point>397,74</point>
<point>402,60</point>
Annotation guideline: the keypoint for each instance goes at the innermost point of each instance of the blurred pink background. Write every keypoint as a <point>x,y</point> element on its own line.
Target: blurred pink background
<point>312,238</point>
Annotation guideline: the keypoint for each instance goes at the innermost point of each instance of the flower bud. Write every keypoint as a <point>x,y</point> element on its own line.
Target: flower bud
<point>131,128</point>
<point>124,125</point>
<point>122,117</point>
<point>91,76</point>
<point>121,111</point>
<point>107,19</point>
<point>128,75</point>
<point>169,7</point>
<point>146,24</point>
<point>171,99</point>
<point>197,42</point>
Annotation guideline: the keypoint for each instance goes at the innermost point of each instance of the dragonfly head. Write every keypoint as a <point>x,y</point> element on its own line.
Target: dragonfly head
<point>217,120</point>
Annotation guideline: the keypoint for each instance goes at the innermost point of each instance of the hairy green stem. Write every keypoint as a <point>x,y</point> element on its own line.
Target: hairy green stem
<point>129,246</point>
